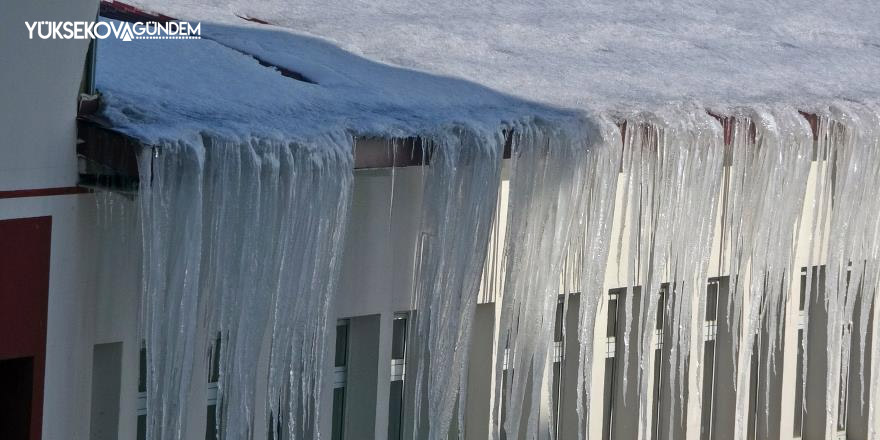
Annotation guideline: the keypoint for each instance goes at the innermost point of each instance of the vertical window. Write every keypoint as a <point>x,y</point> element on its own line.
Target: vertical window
<point>812,292</point>
<point>141,407</point>
<point>799,388</point>
<point>340,376</point>
<point>558,356</point>
<point>843,393</point>
<point>505,364</point>
<point>658,361</point>
<point>398,374</point>
<point>610,364</point>
<point>213,378</point>
<point>710,334</point>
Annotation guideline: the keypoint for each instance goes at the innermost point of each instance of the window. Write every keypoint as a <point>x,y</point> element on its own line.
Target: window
<point>658,363</point>
<point>714,297</point>
<point>340,377</point>
<point>213,378</point>
<point>398,374</point>
<point>141,406</point>
<point>558,358</point>
<point>505,364</point>
<point>812,357</point>
<point>802,322</point>
<point>610,364</point>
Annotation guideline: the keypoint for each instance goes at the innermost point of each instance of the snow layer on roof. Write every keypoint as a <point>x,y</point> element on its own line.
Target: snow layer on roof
<point>600,54</point>
<point>171,89</point>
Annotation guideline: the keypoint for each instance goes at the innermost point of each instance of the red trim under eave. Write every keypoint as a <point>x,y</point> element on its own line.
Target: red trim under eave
<point>44,192</point>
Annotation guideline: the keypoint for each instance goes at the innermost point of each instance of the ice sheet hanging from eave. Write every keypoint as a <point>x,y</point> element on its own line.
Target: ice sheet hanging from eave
<point>225,84</point>
<point>600,54</point>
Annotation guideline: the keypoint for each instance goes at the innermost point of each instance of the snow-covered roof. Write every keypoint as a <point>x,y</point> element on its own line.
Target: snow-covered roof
<point>387,66</point>
<point>226,83</point>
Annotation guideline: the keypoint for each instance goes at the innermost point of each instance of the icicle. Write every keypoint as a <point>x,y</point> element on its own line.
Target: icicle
<point>769,167</point>
<point>593,242</point>
<point>548,171</point>
<point>692,212</point>
<point>241,237</point>
<point>460,188</point>
<point>316,181</point>
<point>852,262</point>
<point>171,212</point>
<point>673,166</point>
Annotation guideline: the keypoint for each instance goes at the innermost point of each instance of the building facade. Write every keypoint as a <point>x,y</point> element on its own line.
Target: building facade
<point>71,355</point>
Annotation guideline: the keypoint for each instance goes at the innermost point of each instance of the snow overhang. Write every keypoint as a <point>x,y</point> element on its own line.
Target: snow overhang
<point>247,77</point>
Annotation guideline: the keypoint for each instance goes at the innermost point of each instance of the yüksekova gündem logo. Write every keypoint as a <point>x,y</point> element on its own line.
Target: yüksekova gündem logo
<point>125,31</point>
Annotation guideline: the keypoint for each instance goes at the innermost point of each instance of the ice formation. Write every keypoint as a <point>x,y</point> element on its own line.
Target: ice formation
<point>547,175</point>
<point>768,174</point>
<point>244,195</point>
<point>241,238</point>
<point>672,165</point>
<point>460,193</point>
<point>848,142</point>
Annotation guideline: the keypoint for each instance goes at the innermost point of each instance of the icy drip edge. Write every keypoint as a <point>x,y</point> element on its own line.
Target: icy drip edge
<point>547,175</point>
<point>849,137</point>
<point>460,188</point>
<point>241,292</point>
<point>672,167</point>
<point>770,161</point>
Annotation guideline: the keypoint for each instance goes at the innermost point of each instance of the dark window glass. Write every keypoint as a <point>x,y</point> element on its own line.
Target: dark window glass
<point>803,291</point>
<point>798,389</point>
<point>341,345</point>
<point>656,407</point>
<point>609,398</point>
<point>398,338</point>
<point>842,393</point>
<point>142,427</point>
<point>214,375</point>
<point>503,405</point>
<point>611,328</point>
<point>708,390</point>
<point>712,302</point>
<point>142,370</point>
<point>211,428</point>
<point>557,393</point>
<point>338,414</point>
<point>754,386</point>
<point>557,325</point>
<point>395,411</point>
<point>661,308</point>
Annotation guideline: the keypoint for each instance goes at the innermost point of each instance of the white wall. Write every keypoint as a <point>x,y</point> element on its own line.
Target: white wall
<point>41,80</point>
<point>71,313</point>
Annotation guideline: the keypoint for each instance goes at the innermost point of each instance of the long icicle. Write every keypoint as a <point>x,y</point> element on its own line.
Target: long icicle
<point>460,188</point>
<point>770,163</point>
<point>548,170</point>
<point>230,248</point>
